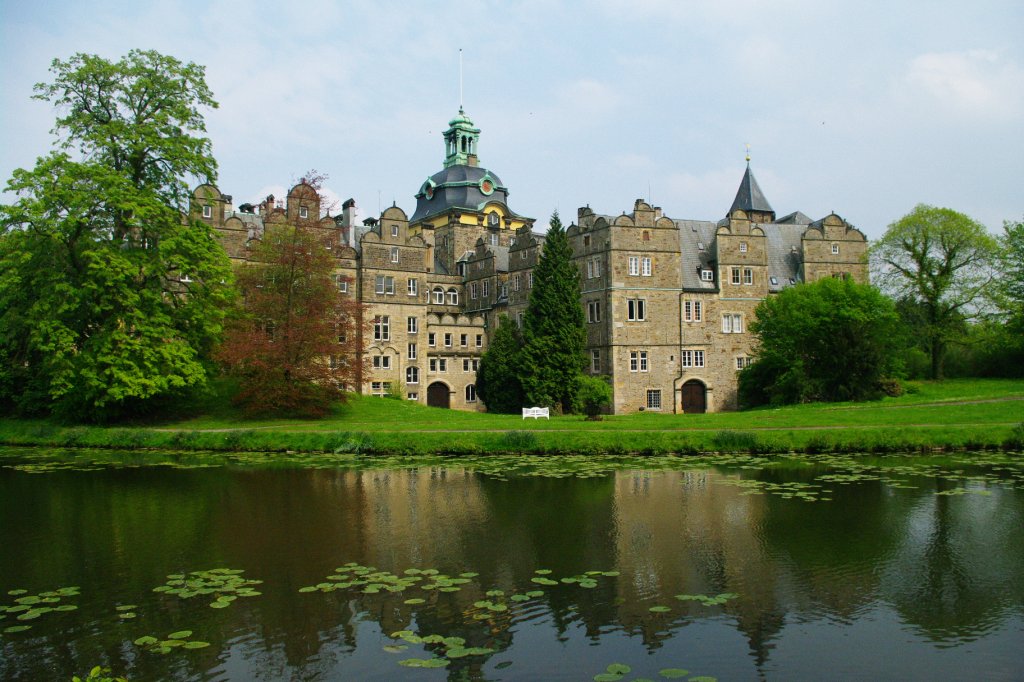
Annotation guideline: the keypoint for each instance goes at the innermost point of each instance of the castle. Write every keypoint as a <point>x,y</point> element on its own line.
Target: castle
<point>667,302</point>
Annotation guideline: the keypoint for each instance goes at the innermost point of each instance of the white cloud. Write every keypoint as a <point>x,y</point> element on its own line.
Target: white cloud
<point>974,82</point>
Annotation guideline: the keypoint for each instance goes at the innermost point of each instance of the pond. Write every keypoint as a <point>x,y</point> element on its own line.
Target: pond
<point>251,567</point>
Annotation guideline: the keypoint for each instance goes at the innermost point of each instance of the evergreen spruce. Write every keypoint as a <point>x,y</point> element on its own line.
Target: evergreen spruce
<point>497,380</point>
<point>552,357</point>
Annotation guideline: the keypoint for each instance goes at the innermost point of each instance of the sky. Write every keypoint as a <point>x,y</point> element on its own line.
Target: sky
<point>861,108</point>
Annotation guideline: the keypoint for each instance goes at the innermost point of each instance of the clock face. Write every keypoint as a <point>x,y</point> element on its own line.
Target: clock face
<point>486,186</point>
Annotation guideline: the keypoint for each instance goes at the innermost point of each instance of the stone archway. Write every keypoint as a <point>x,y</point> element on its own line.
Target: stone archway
<point>438,395</point>
<point>694,397</point>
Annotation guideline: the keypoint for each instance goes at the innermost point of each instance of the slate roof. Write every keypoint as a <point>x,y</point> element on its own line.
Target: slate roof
<point>459,187</point>
<point>749,196</point>
<point>783,250</point>
<point>692,235</point>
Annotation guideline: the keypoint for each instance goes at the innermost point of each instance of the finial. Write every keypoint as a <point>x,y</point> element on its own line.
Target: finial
<point>748,153</point>
<point>460,80</point>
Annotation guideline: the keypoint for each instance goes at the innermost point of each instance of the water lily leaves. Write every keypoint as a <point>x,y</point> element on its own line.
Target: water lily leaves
<point>495,593</point>
<point>126,607</point>
<point>395,648</point>
<point>703,678</point>
<point>16,628</point>
<point>613,673</point>
<point>544,581</point>
<point>227,583</point>
<point>535,593</point>
<point>414,601</point>
<point>146,640</point>
<point>543,571</point>
<point>673,673</point>
<point>453,641</point>
<point>468,574</point>
<point>27,600</point>
<point>519,597</point>
<point>181,634</point>
<point>424,662</point>
<point>620,668</point>
<point>659,609</point>
<point>15,593</point>
<point>195,644</point>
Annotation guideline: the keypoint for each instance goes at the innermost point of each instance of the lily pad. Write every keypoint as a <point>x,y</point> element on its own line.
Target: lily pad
<point>16,628</point>
<point>146,640</point>
<point>673,673</point>
<point>15,593</point>
<point>395,648</point>
<point>195,644</point>
<point>620,668</point>
<point>659,609</point>
<point>180,634</point>
<point>414,601</point>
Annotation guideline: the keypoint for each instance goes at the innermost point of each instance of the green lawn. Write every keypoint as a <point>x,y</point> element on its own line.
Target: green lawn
<point>967,413</point>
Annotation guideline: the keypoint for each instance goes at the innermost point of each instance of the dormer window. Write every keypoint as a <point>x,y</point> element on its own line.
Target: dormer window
<point>303,212</point>
<point>207,211</point>
<point>774,281</point>
<point>835,249</point>
<point>700,246</point>
<point>743,247</point>
<point>707,275</point>
<point>394,230</point>
<point>394,254</point>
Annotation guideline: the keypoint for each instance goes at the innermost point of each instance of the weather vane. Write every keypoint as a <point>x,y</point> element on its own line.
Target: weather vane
<point>747,145</point>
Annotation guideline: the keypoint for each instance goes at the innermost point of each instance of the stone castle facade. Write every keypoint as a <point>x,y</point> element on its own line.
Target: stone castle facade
<point>667,302</point>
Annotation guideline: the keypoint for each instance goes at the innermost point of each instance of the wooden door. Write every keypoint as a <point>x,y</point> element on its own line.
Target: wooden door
<point>694,397</point>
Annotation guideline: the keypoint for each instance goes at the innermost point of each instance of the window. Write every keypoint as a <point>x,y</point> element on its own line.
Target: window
<point>438,364</point>
<point>636,309</point>
<point>470,364</point>
<point>637,361</point>
<point>342,283</point>
<point>413,325</point>
<point>479,340</point>
<point>586,240</point>
<point>394,232</point>
<point>473,290</point>
<point>732,323</point>
<point>412,396</point>
<point>463,339</point>
<point>412,375</point>
<point>381,328</point>
<point>394,254</point>
<point>646,236</point>
<point>743,361</point>
<point>382,362</point>
<point>835,249</point>
<point>471,393</point>
<point>453,297</point>
<point>515,282</point>
<point>774,281</point>
<point>593,311</point>
<point>590,269</point>
<point>654,399</point>
<point>380,388</point>
<point>529,280</point>
<point>439,296</point>
<point>634,265</point>
<point>645,266</point>
<point>743,247</point>
<point>748,276</point>
<point>707,275</point>
<point>595,361</point>
<point>413,286</point>
<point>735,275</point>
<point>692,358</point>
<point>385,284</point>
<point>693,311</point>
<point>303,212</point>
<point>448,340</point>
<point>412,351</point>
<point>431,338</point>
<point>207,211</point>
<point>485,288</point>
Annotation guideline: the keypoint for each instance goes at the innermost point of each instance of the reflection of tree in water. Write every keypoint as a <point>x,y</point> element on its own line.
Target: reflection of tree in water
<point>958,571</point>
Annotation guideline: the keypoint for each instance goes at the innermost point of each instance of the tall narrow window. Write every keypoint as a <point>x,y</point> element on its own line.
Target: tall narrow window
<point>394,230</point>
<point>381,328</point>
<point>645,266</point>
<point>835,249</point>
<point>634,265</point>
<point>431,339</point>
<point>748,276</point>
<point>453,297</point>
<point>595,361</point>
<point>413,286</point>
<point>207,211</point>
<point>479,340</point>
<point>412,375</point>
<point>413,325</point>
<point>394,254</point>
<point>735,275</point>
<point>471,393</point>
<point>412,351</point>
<point>439,296</point>
<point>636,309</point>
<point>303,212</point>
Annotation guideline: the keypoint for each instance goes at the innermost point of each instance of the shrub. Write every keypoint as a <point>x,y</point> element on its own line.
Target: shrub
<point>520,441</point>
<point>735,441</point>
<point>890,387</point>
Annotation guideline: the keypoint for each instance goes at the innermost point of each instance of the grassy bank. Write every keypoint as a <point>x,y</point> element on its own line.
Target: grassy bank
<point>956,414</point>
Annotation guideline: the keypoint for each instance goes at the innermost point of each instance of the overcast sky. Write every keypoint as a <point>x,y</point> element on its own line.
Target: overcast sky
<point>862,108</point>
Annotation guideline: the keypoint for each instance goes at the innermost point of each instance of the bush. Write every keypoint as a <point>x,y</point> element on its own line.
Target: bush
<point>520,441</point>
<point>593,394</point>
<point>735,441</point>
<point>890,387</point>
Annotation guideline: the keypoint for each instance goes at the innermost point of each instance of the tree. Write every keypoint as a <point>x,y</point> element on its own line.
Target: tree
<point>941,259</point>
<point>593,394</point>
<point>497,380</point>
<point>554,335</point>
<point>285,346</point>
<point>830,340</point>
<point>110,302</point>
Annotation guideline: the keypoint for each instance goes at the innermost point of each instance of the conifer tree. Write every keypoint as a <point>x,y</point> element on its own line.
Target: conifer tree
<point>554,335</point>
<point>497,380</point>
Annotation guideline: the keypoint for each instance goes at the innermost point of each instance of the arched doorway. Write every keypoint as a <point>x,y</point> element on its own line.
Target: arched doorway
<point>694,397</point>
<point>438,395</point>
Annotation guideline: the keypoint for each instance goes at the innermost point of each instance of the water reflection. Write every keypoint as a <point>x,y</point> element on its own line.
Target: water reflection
<point>875,564</point>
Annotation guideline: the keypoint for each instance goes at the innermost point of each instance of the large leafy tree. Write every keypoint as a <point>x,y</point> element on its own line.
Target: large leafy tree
<point>830,340</point>
<point>497,380</point>
<point>942,260</point>
<point>554,336</point>
<point>110,301</point>
<point>286,346</point>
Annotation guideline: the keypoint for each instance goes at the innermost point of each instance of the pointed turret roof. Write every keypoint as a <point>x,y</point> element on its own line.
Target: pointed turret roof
<point>749,197</point>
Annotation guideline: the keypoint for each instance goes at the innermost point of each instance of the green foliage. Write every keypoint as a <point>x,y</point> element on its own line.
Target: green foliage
<point>110,304</point>
<point>942,260</point>
<point>497,380</point>
<point>554,335</point>
<point>98,674</point>
<point>832,340</point>
<point>593,394</point>
<point>520,440</point>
